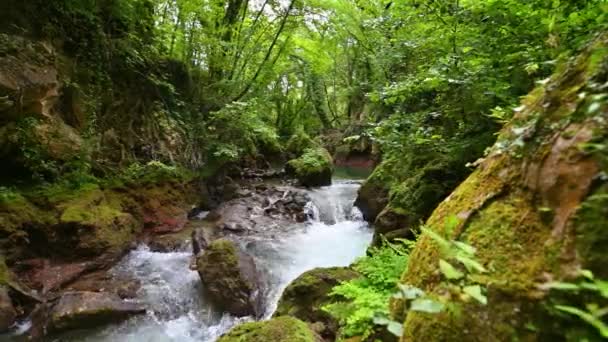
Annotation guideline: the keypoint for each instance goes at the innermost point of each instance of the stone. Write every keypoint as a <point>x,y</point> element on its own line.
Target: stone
<point>280,329</point>
<point>305,297</point>
<point>230,278</point>
<point>81,310</point>
<point>313,168</point>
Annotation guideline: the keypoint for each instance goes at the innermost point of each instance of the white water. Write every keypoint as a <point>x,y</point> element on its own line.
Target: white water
<point>177,310</point>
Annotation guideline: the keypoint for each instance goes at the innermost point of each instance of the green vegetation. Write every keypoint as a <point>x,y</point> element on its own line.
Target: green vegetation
<point>113,112</point>
<point>280,329</point>
<point>362,299</point>
<point>313,168</point>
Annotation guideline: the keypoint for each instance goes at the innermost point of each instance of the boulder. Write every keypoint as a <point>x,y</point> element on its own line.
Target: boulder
<point>81,310</point>
<point>305,297</point>
<point>313,168</point>
<point>372,196</point>
<point>230,278</point>
<point>280,329</point>
<point>92,224</point>
<point>8,314</point>
<point>535,210</point>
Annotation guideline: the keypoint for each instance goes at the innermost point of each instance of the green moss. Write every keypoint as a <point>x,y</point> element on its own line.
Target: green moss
<point>313,168</point>
<point>305,297</point>
<point>107,226</point>
<point>281,329</point>
<point>592,222</point>
<point>299,142</point>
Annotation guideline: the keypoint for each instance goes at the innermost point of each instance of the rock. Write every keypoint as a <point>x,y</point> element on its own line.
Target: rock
<point>28,76</point>
<point>230,278</point>
<point>535,210</point>
<point>393,219</point>
<point>104,281</point>
<point>8,314</point>
<point>94,223</point>
<point>81,310</point>
<point>372,197</point>
<point>280,329</point>
<point>313,168</point>
<point>199,241</point>
<point>305,297</point>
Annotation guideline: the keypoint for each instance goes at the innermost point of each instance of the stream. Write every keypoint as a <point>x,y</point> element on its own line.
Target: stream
<point>177,310</point>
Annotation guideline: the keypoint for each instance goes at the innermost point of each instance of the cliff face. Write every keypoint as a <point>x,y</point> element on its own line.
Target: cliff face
<point>81,88</point>
<point>535,209</point>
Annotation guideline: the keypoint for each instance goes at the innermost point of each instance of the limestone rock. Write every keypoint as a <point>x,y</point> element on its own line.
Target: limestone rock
<point>313,168</point>
<point>230,277</point>
<point>535,210</point>
<point>281,329</point>
<point>305,297</point>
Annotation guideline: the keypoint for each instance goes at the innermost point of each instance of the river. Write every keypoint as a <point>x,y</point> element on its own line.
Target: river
<point>177,310</point>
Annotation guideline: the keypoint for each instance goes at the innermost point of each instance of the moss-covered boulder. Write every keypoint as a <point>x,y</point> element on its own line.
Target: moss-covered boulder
<point>95,223</point>
<point>80,310</point>
<point>313,168</point>
<point>298,143</point>
<point>280,329</point>
<point>230,277</point>
<point>305,297</point>
<point>535,210</point>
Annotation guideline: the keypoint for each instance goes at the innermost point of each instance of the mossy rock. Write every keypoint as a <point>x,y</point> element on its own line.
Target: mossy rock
<point>313,168</point>
<point>535,211</point>
<point>230,277</point>
<point>280,329</point>
<point>306,296</point>
<point>298,143</point>
<point>94,223</point>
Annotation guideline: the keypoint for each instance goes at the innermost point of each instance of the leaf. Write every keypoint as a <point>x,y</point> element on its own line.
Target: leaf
<point>471,264</point>
<point>426,305</point>
<point>601,327</point>
<point>468,249</point>
<point>563,286</point>
<point>475,292</point>
<point>381,320</point>
<point>395,328</point>
<point>410,292</point>
<point>449,271</point>
<point>587,274</point>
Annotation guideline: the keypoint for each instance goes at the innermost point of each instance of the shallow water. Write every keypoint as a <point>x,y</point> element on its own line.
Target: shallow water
<point>177,309</point>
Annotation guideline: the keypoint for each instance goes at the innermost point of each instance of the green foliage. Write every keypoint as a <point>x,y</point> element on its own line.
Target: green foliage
<point>239,130</point>
<point>152,173</point>
<point>362,299</point>
<point>594,294</point>
<point>458,265</point>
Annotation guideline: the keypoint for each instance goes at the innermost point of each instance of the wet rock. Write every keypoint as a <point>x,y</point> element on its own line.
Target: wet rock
<point>313,168</point>
<point>372,197</point>
<point>230,278</point>
<point>199,241</point>
<point>281,329</point>
<point>389,221</point>
<point>8,314</point>
<point>265,208</point>
<point>94,223</point>
<point>104,281</point>
<point>81,310</point>
<point>305,297</point>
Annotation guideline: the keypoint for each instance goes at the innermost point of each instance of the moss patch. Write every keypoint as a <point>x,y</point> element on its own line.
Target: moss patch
<point>313,168</point>
<point>281,329</point>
